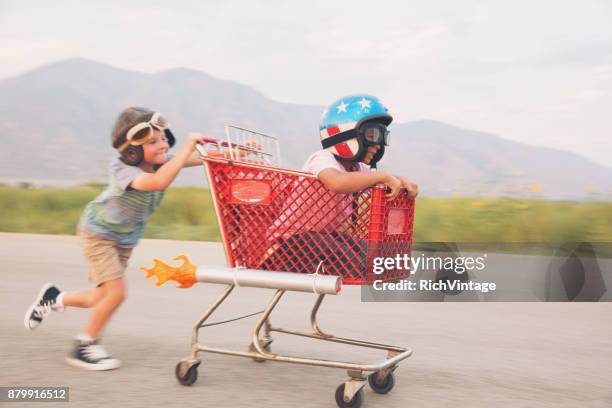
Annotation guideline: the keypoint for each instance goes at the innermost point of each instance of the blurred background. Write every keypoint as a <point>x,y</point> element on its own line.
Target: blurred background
<point>501,116</point>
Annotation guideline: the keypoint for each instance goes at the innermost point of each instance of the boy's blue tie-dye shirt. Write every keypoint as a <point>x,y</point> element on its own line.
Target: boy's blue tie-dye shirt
<point>120,213</point>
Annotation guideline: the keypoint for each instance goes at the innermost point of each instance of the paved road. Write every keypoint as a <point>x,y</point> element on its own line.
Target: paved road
<point>465,354</point>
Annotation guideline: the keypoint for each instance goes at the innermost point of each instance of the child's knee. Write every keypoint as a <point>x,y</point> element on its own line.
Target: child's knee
<point>118,295</point>
<point>90,302</point>
<point>116,290</point>
<point>121,296</point>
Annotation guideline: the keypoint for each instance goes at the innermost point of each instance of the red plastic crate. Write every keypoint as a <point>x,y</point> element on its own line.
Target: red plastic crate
<point>283,220</point>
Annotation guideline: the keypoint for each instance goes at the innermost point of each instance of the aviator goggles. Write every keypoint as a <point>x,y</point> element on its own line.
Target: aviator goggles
<point>141,132</point>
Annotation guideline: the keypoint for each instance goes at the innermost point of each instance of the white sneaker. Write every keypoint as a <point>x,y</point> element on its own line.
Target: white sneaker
<point>42,306</point>
<point>91,356</point>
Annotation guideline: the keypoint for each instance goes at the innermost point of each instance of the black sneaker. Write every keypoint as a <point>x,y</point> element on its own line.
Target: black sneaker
<point>42,306</point>
<point>91,356</point>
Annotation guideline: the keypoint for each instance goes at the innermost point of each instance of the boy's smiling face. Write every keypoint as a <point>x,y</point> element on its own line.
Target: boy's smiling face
<point>156,148</point>
<point>370,153</point>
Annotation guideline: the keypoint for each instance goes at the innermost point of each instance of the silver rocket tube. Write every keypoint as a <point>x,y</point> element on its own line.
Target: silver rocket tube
<point>299,282</point>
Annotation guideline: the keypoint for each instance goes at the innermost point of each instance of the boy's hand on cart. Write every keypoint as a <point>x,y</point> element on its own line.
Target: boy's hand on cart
<point>253,144</point>
<point>393,186</point>
<point>412,188</point>
<point>250,145</point>
<point>194,139</point>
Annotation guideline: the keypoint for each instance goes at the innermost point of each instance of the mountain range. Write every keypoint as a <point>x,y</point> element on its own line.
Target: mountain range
<point>55,122</point>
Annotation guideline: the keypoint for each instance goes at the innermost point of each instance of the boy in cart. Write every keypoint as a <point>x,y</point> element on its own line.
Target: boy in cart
<point>354,135</point>
<point>309,231</point>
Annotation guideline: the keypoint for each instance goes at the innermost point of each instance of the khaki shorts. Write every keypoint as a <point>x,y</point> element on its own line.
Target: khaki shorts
<point>105,259</point>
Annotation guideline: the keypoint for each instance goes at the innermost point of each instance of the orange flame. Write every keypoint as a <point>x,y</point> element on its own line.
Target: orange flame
<point>184,275</point>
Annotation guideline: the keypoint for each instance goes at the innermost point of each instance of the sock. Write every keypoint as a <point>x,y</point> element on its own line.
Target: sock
<point>59,303</point>
<point>83,338</point>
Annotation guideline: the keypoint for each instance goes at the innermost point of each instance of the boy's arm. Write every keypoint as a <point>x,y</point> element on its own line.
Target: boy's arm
<point>194,159</point>
<point>351,182</point>
<point>165,175</point>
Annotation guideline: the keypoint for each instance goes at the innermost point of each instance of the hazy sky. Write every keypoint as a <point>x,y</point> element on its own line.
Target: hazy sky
<point>539,72</point>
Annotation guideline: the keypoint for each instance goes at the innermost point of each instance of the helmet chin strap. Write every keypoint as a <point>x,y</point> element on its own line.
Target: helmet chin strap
<point>375,157</point>
<point>349,165</point>
<point>359,159</point>
<point>362,152</point>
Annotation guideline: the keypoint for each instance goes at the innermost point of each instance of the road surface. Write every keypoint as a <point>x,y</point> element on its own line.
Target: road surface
<point>465,354</point>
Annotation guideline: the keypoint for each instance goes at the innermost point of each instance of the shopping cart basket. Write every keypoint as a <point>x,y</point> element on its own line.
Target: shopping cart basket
<point>276,219</point>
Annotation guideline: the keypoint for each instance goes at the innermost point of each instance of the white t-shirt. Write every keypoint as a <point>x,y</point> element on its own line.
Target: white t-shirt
<point>312,208</point>
<point>323,159</point>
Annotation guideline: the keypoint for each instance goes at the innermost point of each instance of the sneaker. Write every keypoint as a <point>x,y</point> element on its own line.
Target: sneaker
<point>42,306</point>
<point>91,356</point>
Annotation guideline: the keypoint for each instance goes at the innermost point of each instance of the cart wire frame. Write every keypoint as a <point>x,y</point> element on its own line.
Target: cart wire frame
<point>348,393</point>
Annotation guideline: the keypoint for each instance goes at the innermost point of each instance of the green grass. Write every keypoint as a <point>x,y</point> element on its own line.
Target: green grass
<point>511,220</point>
<point>187,214</point>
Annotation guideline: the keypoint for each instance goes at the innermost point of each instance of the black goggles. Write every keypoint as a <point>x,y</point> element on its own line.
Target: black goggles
<point>374,134</point>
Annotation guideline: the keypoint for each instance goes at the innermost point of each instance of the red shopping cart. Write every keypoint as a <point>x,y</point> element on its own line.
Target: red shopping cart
<point>276,219</point>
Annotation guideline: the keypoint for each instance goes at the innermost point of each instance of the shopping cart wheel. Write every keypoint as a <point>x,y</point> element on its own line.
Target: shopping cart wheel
<point>355,402</point>
<point>381,386</point>
<point>185,374</point>
<point>252,349</point>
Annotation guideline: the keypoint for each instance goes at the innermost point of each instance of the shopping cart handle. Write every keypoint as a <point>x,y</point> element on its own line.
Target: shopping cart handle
<point>257,149</point>
<point>219,142</point>
<point>207,139</point>
<point>384,187</point>
<point>202,150</point>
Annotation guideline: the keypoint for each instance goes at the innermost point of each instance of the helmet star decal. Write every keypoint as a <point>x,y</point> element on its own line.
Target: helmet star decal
<point>341,107</point>
<point>365,103</point>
